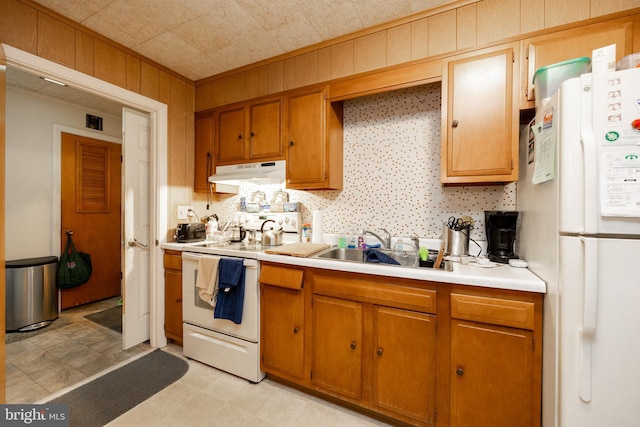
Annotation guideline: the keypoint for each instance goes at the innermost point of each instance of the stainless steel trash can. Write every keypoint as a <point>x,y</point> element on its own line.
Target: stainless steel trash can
<point>31,293</point>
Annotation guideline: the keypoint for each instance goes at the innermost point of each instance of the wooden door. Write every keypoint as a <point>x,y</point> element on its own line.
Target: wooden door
<point>491,375</point>
<point>337,346</point>
<point>479,134</point>
<point>91,208</point>
<point>230,136</point>
<point>306,157</point>
<point>265,135</point>
<point>579,42</point>
<point>282,326</point>
<point>173,296</point>
<point>404,368</point>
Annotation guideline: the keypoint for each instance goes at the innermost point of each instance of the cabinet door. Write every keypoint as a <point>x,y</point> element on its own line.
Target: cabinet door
<point>265,134</point>
<point>570,44</point>
<point>337,346</point>
<point>306,157</point>
<point>479,133</point>
<point>230,142</point>
<point>203,153</point>
<point>491,375</point>
<point>404,372</point>
<point>173,304</point>
<point>282,330</point>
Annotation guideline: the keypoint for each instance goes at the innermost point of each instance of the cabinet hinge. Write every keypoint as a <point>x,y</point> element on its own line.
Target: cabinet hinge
<point>436,327</point>
<point>435,416</point>
<point>511,164</point>
<point>533,344</point>
<point>513,57</point>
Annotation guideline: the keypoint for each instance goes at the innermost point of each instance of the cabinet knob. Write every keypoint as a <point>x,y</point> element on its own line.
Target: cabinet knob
<point>459,372</point>
<point>252,134</point>
<point>240,136</point>
<point>379,351</point>
<point>290,143</point>
<point>455,123</point>
<point>296,330</point>
<point>353,345</point>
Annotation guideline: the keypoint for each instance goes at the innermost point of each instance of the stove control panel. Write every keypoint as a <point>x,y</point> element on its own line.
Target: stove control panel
<point>289,221</point>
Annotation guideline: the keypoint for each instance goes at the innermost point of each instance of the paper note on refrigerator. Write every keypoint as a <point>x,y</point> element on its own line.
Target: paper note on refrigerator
<point>620,183</point>
<point>545,134</point>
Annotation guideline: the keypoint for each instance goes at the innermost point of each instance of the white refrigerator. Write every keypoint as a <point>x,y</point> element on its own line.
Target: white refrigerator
<point>579,229</point>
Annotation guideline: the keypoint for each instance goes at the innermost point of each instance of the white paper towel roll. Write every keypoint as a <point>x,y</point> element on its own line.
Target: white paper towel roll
<point>317,229</point>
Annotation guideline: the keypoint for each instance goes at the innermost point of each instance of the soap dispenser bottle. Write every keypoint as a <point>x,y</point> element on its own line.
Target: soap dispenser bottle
<point>352,240</point>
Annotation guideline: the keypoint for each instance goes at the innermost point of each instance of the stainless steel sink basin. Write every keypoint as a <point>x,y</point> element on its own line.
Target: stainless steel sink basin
<point>357,255</point>
<point>343,254</point>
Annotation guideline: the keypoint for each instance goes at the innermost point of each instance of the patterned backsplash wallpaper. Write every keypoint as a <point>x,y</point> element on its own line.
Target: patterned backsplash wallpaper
<point>391,173</point>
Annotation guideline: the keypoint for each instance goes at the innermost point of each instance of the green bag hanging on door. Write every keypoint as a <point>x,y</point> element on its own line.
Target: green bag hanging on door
<point>74,268</point>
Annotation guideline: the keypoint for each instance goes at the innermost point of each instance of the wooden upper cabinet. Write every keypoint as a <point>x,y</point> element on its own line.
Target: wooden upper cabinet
<point>230,136</point>
<point>249,132</point>
<point>480,117</point>
<point>265,130</point>
<point>314,148</point>
<point>203,152</point>
<point>579,42</point>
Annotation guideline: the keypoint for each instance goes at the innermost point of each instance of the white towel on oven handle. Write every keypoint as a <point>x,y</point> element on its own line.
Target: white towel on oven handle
<point>207,280</point>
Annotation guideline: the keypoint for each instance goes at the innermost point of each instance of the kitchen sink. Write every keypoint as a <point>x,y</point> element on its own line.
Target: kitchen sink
<point>343,254</point>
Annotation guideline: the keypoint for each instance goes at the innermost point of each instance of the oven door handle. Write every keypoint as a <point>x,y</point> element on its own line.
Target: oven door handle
<point>195,256</point>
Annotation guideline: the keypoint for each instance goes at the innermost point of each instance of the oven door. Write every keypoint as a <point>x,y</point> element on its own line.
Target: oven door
<point>200,313</point>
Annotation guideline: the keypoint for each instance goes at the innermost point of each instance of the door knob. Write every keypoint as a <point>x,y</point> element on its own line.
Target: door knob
<point>133,242</point>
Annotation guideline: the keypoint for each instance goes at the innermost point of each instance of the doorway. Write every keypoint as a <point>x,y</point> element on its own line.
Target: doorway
<point>158,123</point>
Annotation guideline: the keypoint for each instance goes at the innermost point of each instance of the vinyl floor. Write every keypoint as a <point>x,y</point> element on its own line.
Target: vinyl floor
<point>55,361</point>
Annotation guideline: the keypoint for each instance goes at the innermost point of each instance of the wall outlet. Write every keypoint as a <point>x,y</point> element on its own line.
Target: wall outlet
<point>183,212</point>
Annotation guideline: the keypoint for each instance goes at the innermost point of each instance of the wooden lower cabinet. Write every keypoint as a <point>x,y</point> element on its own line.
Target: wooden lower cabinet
<point>173,295</point>
<point>282,321</point>
<point>404,367</point>
<point>393,368</point>
<point>411,352</point>
<point>491,381</point>
<point>337,346</point>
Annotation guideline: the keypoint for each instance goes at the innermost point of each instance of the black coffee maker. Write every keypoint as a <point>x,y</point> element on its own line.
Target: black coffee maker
<point>500,227</point>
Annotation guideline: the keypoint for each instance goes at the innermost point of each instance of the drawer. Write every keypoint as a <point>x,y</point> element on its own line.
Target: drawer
<point>387,294</point>
<point>497,311</point>
<point>172,262</point>
<point>282,277</point>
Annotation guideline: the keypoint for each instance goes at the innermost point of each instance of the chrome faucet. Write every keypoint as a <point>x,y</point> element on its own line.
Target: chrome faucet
<point>416,242</point>
<point>386,241</point>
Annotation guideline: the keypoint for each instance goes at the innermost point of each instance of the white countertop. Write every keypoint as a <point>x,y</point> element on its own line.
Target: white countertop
<point>500,277</point>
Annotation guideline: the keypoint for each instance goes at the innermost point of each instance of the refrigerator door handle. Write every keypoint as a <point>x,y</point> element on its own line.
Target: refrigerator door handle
<point>589,151</point>
<point>588,328</point>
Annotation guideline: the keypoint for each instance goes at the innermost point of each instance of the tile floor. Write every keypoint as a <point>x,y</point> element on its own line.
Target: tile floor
<point>43,366</point>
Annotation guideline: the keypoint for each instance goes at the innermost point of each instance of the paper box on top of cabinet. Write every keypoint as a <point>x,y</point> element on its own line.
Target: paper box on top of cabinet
<point>603,60</point>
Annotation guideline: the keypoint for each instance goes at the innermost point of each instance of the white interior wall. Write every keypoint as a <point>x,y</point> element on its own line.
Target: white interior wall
<point>33,123</point>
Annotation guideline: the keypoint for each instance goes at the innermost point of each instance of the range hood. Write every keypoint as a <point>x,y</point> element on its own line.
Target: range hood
<point>250,173</point>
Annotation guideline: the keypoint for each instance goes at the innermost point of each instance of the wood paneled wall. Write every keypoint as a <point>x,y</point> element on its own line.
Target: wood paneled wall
<point>3,102</point>
<point>30,27</point>
<point>464,24</point>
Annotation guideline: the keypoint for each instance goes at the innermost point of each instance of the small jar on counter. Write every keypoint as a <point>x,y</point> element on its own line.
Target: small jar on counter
<point>306,232</point>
